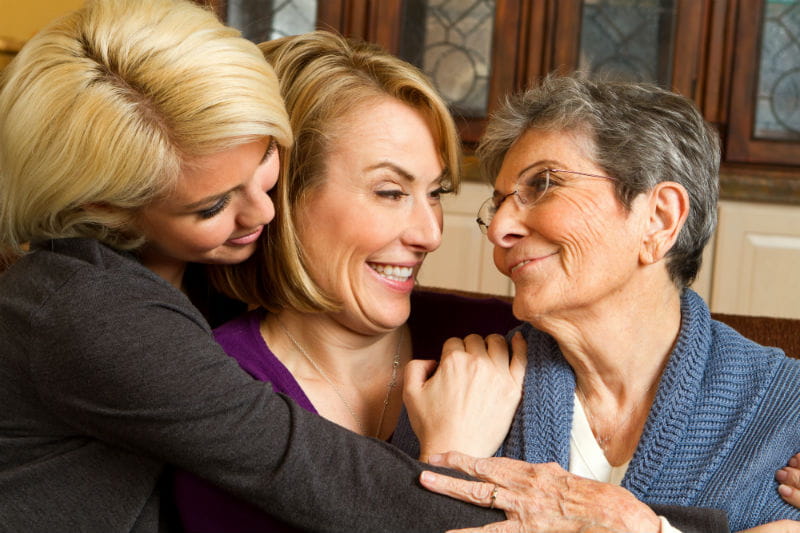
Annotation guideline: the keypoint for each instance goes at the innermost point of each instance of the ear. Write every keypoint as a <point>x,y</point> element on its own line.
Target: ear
<point>668,208</point>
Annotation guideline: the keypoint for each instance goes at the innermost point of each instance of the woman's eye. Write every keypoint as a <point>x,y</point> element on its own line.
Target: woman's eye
<point>392,194</point>
<point>539,182</point>
<point>216,208</point>
<point>273,145</point>
<point>441,191</point>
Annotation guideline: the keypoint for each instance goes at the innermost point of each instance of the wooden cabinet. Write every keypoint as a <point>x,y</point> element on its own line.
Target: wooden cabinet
<point>739,60</point>
<point>756,266</point>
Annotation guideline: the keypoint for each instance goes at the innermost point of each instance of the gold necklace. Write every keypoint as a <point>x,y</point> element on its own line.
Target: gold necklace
<point>392,382</point>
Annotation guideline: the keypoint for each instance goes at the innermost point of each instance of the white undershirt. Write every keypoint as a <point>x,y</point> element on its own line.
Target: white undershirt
<point>587,459</point>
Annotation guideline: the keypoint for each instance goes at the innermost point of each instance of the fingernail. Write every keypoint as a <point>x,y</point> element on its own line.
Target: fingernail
<point>785,490</point>
<point>435,459</point>
<point>793,462</point>
<point>428,477</point>
<point>781,475</point>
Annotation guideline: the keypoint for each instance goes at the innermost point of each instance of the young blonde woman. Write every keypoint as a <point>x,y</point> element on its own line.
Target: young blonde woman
<point>136,138</point>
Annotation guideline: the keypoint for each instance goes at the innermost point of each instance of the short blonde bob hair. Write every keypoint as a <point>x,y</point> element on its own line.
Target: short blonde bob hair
<point>324,78</point>
<point>102,110</point>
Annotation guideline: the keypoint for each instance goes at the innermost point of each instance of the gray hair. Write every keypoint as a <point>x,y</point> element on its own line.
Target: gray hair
<point>638,133</point>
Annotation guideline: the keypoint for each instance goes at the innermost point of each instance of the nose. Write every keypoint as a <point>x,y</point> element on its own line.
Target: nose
<point>508,224</point>
<point>424,231</point>
<point>258,209</point>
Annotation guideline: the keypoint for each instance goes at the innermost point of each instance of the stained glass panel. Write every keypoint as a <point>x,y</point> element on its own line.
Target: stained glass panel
<point>628,39</point>
<point>451,41</point>
<point>778,96</point>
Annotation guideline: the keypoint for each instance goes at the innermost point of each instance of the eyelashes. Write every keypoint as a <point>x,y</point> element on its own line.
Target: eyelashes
<point>216,208</point>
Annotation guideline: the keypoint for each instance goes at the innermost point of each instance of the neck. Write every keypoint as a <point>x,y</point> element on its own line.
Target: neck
<point>618,352</point>
<point>347,375</point>
<point>345,354</point>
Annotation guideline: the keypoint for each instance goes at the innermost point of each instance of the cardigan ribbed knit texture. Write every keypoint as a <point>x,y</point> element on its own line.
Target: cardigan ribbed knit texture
<point>725,417</point>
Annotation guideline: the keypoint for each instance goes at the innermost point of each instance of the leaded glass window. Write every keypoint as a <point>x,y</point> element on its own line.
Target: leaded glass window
<point>451,41</point>
<point>628,39</point>
<point>778,90</point>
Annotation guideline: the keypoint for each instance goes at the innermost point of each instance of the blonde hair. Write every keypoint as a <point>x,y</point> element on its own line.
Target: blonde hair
<point>102,110</point>
<point>324,77</point>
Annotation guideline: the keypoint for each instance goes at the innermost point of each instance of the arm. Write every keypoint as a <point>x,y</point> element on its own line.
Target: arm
<point>133,369</point>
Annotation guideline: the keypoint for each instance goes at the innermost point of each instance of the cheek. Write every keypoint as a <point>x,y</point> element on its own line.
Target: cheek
<point>208,236</point>
<point>582,227</point>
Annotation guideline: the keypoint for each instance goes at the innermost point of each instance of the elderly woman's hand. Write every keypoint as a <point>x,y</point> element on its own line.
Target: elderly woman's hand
<point>469,402</point>
<point>789,479</point>
<point>540,497</point>
<point>781,526</point>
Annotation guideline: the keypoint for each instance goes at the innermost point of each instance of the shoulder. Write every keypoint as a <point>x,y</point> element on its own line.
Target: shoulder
<point>241,330</point>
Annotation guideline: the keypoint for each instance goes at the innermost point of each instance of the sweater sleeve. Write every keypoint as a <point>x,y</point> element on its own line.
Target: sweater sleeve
<point>124,360</point>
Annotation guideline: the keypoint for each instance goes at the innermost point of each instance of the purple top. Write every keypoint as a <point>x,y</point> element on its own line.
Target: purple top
<point>434,318</point>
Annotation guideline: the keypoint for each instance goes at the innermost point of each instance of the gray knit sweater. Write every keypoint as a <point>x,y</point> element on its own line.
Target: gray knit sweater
<point>726,416</point>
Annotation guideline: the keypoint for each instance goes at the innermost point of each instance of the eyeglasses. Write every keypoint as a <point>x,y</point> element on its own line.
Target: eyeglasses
<point>529,191</point>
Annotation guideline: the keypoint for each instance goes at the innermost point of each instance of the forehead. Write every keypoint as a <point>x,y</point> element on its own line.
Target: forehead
<point>386,129</point>
<point>546,148</point>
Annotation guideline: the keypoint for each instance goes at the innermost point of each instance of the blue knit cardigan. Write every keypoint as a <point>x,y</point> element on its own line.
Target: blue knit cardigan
<point>726,416</point>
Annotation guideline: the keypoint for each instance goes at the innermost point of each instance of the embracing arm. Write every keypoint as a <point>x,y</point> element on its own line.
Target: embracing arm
<point>131,369</point>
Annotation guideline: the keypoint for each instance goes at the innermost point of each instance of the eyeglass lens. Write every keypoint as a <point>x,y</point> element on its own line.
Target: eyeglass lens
<point>528,192</point>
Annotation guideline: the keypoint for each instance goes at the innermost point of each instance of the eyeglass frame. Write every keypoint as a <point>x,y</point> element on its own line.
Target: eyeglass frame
<point>484,226</point>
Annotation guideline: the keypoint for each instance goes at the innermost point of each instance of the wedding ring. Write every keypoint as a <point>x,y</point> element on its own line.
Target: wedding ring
<point>494,496</point>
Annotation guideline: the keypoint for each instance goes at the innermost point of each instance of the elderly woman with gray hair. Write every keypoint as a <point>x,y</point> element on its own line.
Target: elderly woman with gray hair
<point>605,195</point>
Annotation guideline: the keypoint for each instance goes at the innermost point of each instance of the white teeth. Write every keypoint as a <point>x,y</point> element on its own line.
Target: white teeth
<point>395,273</point>
<point>519,265</point>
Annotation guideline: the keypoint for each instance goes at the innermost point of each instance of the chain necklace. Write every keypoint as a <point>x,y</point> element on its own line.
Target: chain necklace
<point>392,382</point>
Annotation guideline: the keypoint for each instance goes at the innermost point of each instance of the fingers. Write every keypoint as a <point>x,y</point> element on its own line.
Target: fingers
<point>416,372</point>
<point>789,479</point>
<point>498,527</point>
<point>502,471</point>
<point>457,461</point>
<point>497,349</point>
<point>453,344</point>
<point>519,358</point>
<point>474,492</point>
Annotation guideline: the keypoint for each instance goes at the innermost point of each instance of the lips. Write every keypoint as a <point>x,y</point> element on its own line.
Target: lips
<point>248,238</point>
<point>518,264</point>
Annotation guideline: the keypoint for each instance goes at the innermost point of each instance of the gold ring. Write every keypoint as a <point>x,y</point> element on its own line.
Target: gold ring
<point>494,496</point>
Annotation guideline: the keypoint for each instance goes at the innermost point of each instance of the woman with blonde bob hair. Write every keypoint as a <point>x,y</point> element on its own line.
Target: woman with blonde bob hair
<point>358,208</point>
<point>137,138</point>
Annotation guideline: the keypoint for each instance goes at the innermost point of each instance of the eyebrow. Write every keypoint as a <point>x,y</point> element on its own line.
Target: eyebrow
<point>544,163</point>
<point>402,172</point>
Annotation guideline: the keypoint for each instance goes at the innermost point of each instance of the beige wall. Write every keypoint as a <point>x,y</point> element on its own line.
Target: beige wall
<point>20,19</point>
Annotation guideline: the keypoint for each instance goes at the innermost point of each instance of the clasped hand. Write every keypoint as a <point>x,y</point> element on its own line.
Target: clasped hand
<point>467,402</point>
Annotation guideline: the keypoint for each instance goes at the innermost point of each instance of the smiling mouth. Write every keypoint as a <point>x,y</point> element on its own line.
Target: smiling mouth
<point>526,261</point>
<point>392,272</point>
